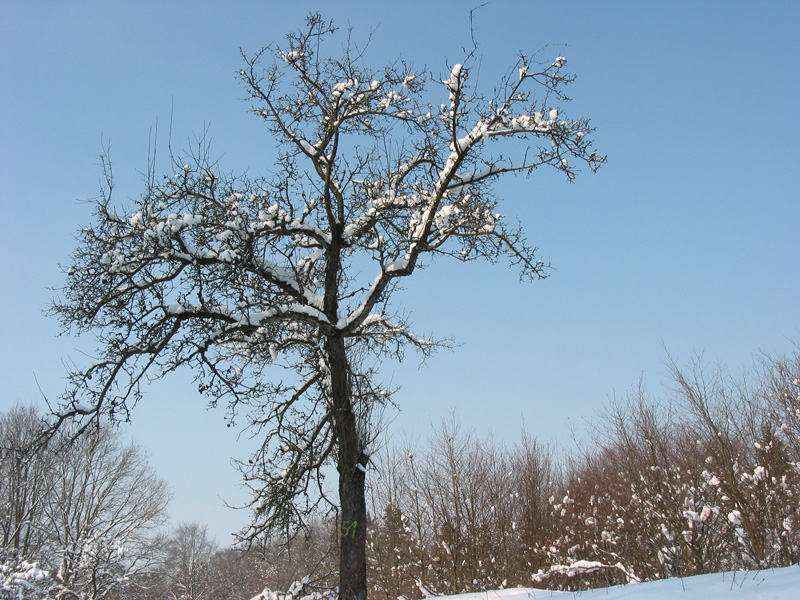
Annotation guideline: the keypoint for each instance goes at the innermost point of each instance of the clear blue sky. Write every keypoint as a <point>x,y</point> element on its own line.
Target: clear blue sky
<point>687,239</point>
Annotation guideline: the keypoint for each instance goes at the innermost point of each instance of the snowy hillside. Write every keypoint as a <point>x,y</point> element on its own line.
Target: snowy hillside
<point>776,584</point>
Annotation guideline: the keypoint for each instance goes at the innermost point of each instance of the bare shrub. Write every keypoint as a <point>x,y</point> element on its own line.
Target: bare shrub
<point>701,480</point>
<point>459,514</point>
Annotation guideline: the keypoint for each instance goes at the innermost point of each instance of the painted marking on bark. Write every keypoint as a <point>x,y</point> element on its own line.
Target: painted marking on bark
<point>349,528</point>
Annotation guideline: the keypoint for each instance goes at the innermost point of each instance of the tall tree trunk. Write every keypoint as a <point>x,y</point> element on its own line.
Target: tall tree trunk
<point>351,460</point>
<point>351,467</point>
<point>353,547</point>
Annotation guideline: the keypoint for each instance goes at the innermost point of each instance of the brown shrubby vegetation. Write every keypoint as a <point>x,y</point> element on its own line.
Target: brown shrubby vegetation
<point>458,514</point>
<point>704,479</point>
<point>701,478</point>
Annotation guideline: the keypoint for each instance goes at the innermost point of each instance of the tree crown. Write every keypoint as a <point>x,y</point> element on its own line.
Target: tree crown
<point>246,278</point>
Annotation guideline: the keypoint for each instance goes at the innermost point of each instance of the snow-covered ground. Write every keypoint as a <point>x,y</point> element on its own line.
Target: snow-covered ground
<point>776,584</point>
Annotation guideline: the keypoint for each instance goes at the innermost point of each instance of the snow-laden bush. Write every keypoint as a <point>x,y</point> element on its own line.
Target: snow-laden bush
<point>299,590</point>
<point>22,580</point>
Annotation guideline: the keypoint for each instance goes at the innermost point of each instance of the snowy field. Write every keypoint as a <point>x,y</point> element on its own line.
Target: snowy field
<point>776,584</point>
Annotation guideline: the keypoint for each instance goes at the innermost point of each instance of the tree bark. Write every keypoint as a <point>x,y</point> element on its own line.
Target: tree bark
<point>352,551</point>
<point>351,466</point>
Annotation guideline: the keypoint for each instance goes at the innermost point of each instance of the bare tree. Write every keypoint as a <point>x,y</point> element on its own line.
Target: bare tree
<point>100,515</point>
<point>84,510</point>
<point>23,482</point>
<point>257,283</point>
<point>238,574</point>
<point>189,554</point>
<point>23,486</point>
